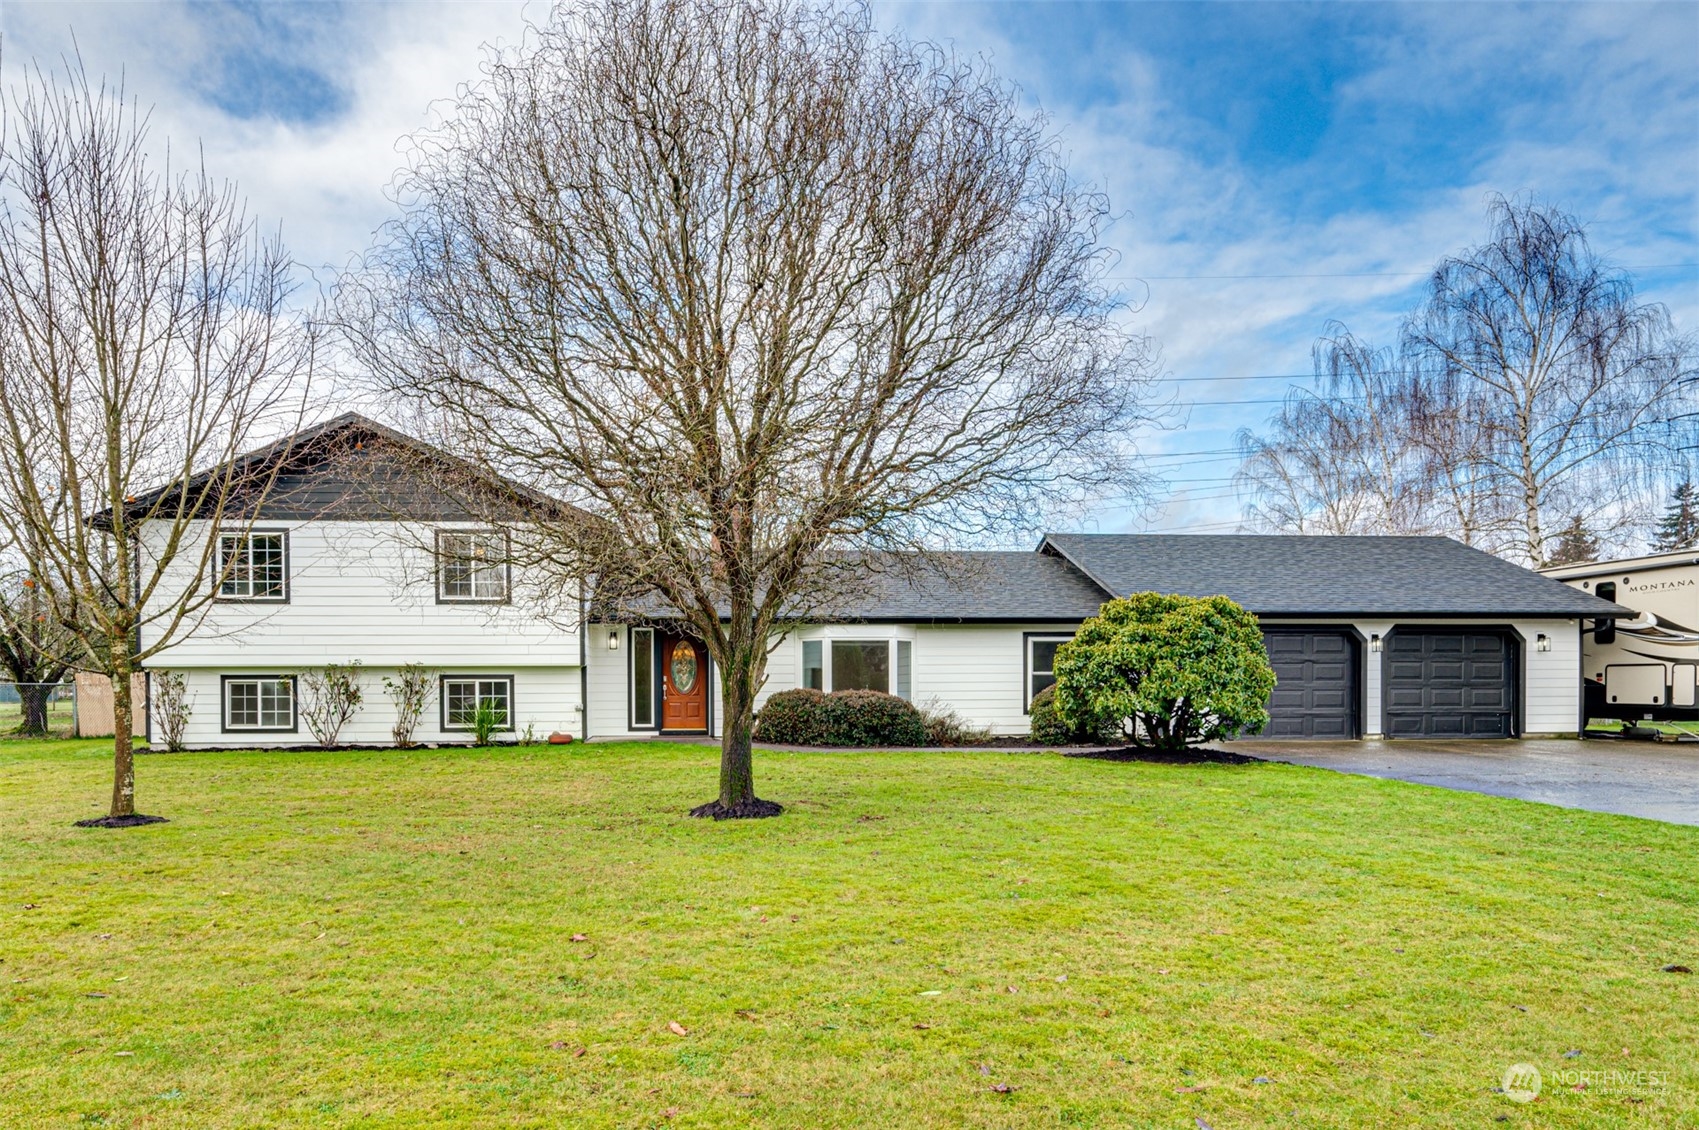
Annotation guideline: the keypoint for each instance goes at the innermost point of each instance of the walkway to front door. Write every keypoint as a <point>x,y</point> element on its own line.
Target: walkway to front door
<point>684,686</point>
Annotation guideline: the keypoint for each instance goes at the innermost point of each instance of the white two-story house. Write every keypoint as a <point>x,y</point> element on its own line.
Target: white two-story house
<point>359,552</point>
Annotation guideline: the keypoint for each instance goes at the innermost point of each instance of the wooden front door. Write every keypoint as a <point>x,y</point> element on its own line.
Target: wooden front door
<point>684,685</point>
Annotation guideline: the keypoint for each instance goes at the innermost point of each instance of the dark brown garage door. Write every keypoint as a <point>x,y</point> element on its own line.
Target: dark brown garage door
<point>1449,683</point>
<point>1315,695</point>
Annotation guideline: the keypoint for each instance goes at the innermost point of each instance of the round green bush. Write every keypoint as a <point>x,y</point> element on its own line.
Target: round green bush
<point>842,718</point>
<point>793,718</point>
<point>1185,669</point>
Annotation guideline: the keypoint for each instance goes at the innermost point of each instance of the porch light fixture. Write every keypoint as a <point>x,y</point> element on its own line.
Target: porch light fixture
<point>1542,642</point>
<point>613,639</point>
<point>1374,643</point>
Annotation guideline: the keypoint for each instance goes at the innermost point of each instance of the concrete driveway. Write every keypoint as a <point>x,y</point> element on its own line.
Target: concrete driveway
<point>1652,779</point>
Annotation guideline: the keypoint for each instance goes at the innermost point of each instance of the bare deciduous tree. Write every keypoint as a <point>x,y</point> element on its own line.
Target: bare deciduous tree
<point>1530,390</point>
<point>143,334</point>
<point>753,286</point>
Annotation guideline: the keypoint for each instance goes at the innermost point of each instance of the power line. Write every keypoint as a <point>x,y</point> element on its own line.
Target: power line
<point>1350,274</point>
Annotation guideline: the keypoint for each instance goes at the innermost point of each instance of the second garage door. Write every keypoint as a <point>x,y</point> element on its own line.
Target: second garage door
<point>1449,683</point>
<point>1315,693</point>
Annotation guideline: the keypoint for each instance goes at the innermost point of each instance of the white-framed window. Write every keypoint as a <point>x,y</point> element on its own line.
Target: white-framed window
<point>259,703</point>
<point>883,665</point>
<point>253,566</point>
<point>1041,663</point>
<point>462,695</point>
<point>472,566</point>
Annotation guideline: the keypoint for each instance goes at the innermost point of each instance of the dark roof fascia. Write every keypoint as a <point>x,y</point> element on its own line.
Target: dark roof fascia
<point>304,439</point>
<point>1496,614</point>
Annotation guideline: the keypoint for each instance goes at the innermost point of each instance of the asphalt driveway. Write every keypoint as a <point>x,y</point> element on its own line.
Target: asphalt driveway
<point>1657,780</point>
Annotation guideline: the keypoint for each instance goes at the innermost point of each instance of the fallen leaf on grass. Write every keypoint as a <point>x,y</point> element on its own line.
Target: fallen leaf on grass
<point>1010,989</point>
<point>677,1029</point>
<point>1520,1007</point>
<point>580,937</point>
<point>103,937</point>
<point>123,1053</point>
<point>1202,1125</point>
<point>32,906</point>
<point>97,996</point>
<point>580,1053</point>
<point>558,1045</point>
<point>746,1013</point>
<point>670,1112</point>
<point>1164,972</point>
<point>1062,978</point>
<point>921,1027</point>
<point>1262,1079</point>
<point>1189,1090</point>
<point>1001,1089</point>
<point>1675,969</point>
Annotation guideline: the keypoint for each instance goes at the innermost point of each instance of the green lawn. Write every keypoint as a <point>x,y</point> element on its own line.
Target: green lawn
<point>385,939</point>
<point>1670,729</point>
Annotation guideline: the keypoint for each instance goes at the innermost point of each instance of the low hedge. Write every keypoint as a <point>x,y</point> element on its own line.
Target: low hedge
<point>843,718</point>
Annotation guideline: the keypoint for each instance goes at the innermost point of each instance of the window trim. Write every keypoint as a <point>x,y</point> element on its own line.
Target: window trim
<point>1027,672</point>
<point>438,557</point>
<point>829,670</point>
<point>224,726</point>
<point>442,701</point>
<point>654,723</point>
<point>218,578</point>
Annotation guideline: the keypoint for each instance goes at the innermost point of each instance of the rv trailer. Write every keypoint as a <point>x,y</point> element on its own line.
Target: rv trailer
<point>1646,667</point>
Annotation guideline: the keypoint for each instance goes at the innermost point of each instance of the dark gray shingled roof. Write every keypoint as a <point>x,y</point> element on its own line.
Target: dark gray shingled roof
<point>1309,575</point>
<point>950,588</point>
<point>982,586</point>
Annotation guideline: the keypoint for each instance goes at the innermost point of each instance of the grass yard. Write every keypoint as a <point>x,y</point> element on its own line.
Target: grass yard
<point>384,939</point>
<point>1676,729</point>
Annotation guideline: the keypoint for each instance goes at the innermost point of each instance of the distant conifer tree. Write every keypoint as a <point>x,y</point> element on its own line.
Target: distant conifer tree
<point>1576,544</point>
<point>1679,527</point>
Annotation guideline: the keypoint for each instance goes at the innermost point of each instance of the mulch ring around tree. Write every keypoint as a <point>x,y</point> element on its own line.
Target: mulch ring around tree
<point>135,820</point>
<point>754,809</point>
<point>1192,755</point>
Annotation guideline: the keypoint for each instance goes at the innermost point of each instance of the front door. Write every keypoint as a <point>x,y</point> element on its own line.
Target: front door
<point>684,685</point>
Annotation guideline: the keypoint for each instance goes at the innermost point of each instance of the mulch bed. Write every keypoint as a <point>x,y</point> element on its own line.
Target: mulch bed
<point>134,821</point>
<point>744,810</point>
<point>1199,755</point>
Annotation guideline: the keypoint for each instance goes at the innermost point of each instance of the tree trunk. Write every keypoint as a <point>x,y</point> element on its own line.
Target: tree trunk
<point>737,761</point>
<point>123,751</point>
<point>740,675</point>
<point>32,698</point>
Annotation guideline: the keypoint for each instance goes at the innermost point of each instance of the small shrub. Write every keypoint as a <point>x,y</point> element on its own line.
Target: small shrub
<point>486,719</point>
<point>330,696</point>
<point>944,727</point>
<point>843,718</point>
<point>793,718</point>
<point>1050,728</point>
<point>870,718</point>
<point>408,691</point>
<point>171,708</point>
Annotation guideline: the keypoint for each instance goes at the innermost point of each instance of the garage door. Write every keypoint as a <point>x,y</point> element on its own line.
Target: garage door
<point>1315,695</point>
<point>1449,683</point>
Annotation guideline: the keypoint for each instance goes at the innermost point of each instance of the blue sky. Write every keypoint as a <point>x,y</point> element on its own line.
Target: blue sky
<point>1274,166</point>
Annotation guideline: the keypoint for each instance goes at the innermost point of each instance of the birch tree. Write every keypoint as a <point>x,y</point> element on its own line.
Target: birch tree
<point>754,286</point>
<point>144,336</point>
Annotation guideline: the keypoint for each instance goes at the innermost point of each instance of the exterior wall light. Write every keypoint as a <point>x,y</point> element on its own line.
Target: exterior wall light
<point>1542,642</point>
<point>1374,643</point>
<point>613,639</point>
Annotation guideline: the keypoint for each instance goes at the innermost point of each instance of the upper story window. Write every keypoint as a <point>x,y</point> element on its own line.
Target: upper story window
<point>472,567</point>
<point>253,566</point>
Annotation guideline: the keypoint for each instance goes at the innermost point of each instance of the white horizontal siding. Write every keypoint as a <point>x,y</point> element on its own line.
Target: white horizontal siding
<point>979,672</point>
<point>545,700</point>
<point>367,591</point>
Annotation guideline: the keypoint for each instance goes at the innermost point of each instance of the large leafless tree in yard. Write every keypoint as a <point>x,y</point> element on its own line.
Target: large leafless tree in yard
<point>1530,390</point>
<point>143,336</point>
<point>753,285</point>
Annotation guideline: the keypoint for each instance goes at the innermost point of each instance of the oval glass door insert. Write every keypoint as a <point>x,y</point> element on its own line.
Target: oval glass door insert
<point>684,667</point>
